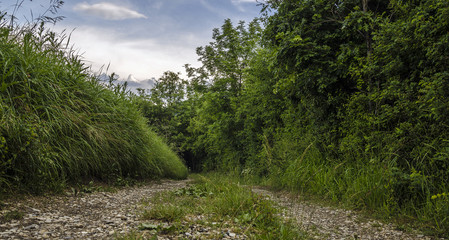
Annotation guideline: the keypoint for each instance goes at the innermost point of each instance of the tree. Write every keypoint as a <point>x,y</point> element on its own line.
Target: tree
<point>168,90</point>
<point>165,109</point>
<point>214,129</point>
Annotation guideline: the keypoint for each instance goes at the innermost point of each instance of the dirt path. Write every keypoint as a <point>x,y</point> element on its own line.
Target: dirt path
<point>329,223</point>
<point>99,215</point>
<point>103,215</point>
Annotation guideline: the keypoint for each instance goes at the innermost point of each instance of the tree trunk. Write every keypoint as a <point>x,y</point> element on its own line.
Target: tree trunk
<point>367,34</point>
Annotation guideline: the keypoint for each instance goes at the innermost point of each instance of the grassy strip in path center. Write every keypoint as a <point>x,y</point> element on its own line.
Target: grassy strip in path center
<point>213,207</point>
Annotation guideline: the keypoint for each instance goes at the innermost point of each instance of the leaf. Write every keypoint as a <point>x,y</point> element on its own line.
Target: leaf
<point>148,226</point>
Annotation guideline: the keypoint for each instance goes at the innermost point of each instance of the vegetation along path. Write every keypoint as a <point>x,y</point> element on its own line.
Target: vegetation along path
<point>122,215</point>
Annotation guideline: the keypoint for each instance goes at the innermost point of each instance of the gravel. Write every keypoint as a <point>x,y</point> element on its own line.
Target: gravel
<point>323,222</point>
<point>100,215</point>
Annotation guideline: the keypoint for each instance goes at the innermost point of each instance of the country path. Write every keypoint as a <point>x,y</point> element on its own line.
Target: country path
<point>105,215</point>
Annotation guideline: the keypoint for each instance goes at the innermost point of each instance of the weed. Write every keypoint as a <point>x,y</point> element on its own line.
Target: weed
<point>376,225</point>
<point>134,236</point>
<point>12,215</point>
<point>161,228</point>
<point>124,182</point>
<point>91,187</point>
<point>167,212</point>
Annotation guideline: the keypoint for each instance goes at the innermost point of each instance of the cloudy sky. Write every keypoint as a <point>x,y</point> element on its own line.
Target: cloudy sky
<point>142,38</point>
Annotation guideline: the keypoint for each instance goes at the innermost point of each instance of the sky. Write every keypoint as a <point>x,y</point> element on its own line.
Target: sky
<point>139,39</point>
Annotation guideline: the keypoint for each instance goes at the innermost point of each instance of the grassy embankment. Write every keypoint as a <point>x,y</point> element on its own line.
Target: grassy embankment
<point>58,124</point>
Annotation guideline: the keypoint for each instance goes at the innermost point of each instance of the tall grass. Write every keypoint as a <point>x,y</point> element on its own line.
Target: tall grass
<point>370,185</point>
<point>59,124</point>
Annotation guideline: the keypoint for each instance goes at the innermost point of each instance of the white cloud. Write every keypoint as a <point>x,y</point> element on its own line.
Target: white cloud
<point>244,1</point>
<point>108,11</point>
<point>143,58</point>
<point>212,8</point>
<point>238,4</point>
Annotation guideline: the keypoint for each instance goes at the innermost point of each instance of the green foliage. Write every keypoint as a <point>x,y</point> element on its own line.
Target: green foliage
<point>198,117</point>
<point>59,124</point>
<point>215,124</point>
<point>166,212</point>
<point>361,87</point>
<point>344,99</point>
<point>168,112</point>
<point>11,215</point>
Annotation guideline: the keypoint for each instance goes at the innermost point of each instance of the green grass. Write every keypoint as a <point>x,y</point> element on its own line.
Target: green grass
<point>59,124</point>
<point>11,215</point>
<point>215,202</point>
<point>371,186</point>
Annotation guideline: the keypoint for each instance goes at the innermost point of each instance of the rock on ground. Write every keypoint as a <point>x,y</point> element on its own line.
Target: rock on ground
<point>100,215</point>
<point>331,223</point>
